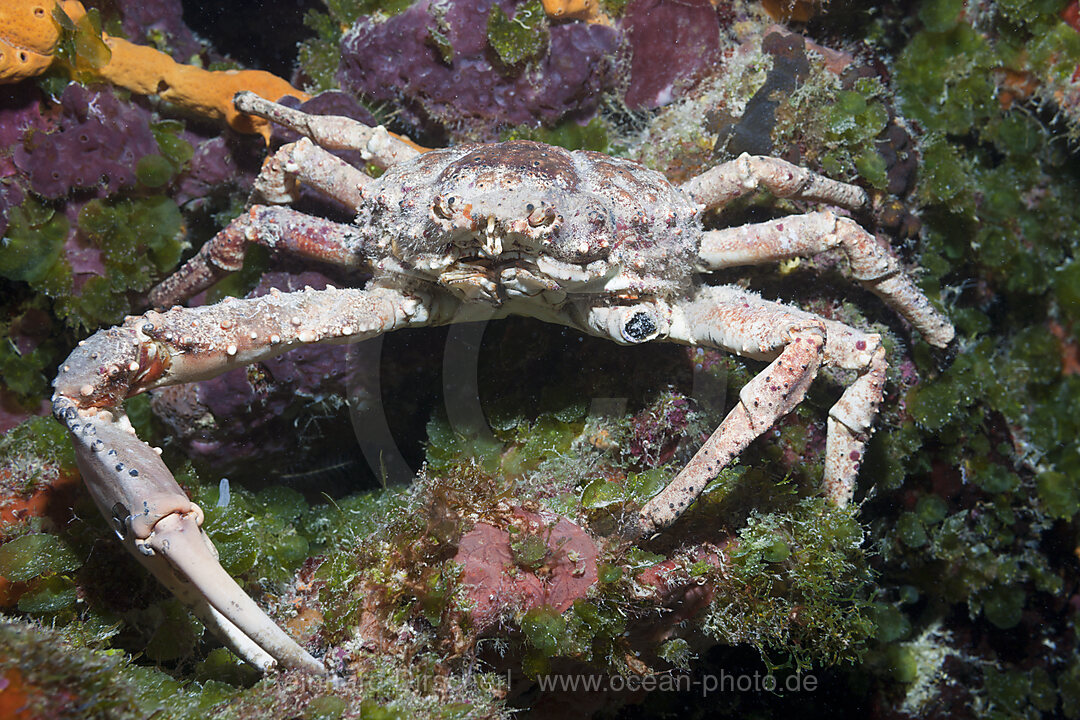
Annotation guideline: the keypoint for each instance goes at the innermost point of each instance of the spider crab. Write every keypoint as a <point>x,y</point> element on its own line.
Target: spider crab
<point>596,243</point>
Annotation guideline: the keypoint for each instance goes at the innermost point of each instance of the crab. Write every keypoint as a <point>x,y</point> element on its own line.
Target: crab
<point>597,243</point>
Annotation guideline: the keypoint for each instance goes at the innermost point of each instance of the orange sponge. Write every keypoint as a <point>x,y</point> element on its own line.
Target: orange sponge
<point>31,33</point>
<point>28,38</point>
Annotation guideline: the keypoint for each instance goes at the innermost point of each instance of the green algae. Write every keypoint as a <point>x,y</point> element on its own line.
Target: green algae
<point>544,629</point>
<point>571,135</point>
<point>68,675</point>
<point>172,147</point>
<point>34,453</point>
<point>139,240</point>
<point>521,37</point>
<point>805,605</point>
<point>256,533</point>
<point>24,370</point>
<point>81,46</point>
<point>33,242</point>
<point>153,171</point>
<point>32,555</point>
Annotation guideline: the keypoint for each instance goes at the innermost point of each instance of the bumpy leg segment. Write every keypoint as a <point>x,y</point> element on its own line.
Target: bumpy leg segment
<point>133,487</point>
<point>278,228</point>
<point>304,162</point>
<point>812,233</point>
<point>743,323</point>
<point>725,182</point>
<point>851,419</point>
<point>333,132</point>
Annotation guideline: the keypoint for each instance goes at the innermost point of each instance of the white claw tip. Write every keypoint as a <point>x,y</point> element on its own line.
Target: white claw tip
<point>231,350</point>
<point>133,366</point>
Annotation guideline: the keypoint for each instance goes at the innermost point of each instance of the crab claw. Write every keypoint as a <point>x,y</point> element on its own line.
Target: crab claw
<point>156,521</point>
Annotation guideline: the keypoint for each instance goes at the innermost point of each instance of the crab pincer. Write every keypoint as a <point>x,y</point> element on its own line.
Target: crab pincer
<point>137,494</point>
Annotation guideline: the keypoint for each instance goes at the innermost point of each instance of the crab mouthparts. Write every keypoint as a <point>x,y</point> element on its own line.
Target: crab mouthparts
<point>491,245</point>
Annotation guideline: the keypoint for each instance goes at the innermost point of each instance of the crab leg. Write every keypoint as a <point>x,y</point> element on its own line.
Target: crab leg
<point>282,173</point>
<point>279,228</point>
<point>812,233</point>
<point>797,343</point>
<point>727,181</point>
<point>127,479</point>
<point>333,132</point>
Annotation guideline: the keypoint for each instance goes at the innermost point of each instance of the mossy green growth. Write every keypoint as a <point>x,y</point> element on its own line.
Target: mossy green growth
<point>1004,605</point>
<point>571,135</point>
<point>35,452</point>
<point>677,652</point>
<point>635,490</point>
<point>891,622</point>
<point>1059,494</point>
<point>25,371</point>
<point>32,555</point>
<point>614,8</point>
<point>517,446</point>
<point>544,628</point>
<point>1068,682</point>
<point>521,37</point>
<point>154,171</point>
<point>841,140</point>
<point>854,120</point>
<point>140,239</point>
<point>173,147</point>
<point>67,674</point>
<point>256,534</point>
<point>989,562</point>
<point>945,78</point>
<point>33,242</point>
<point>811,606</point>
<point>591,631</point>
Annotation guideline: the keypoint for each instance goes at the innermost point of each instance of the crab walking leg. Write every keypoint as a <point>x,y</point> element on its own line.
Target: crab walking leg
<point>727,181</point>
<point>851,419</point>
<point>305,162</point>
<point>279,228</point>
<point>812,233</point>
<point>129,482</point>
<point>798,343</point>
<point>333,132</point>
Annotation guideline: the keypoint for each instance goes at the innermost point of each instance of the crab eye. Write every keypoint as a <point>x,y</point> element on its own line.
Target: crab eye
<point>541,217</point>
<point>640,327</point>
<point>443,206</point>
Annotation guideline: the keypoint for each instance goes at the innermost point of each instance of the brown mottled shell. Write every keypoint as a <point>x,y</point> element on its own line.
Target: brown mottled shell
<point>611,209</point>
